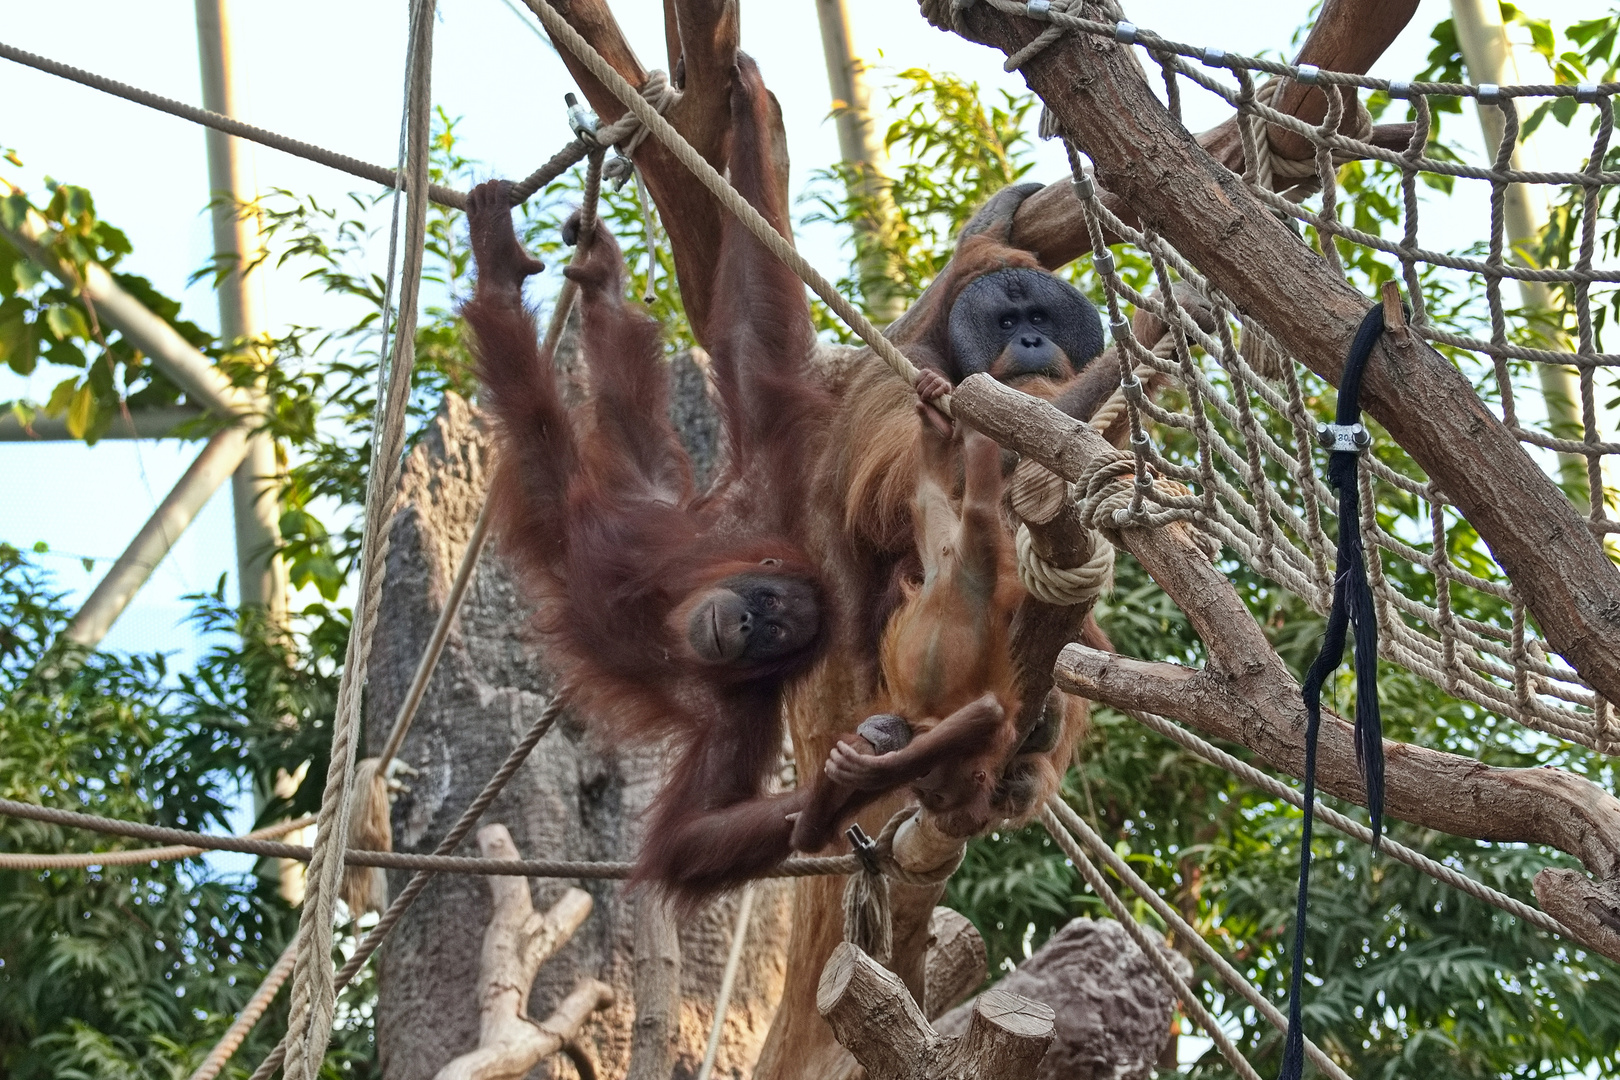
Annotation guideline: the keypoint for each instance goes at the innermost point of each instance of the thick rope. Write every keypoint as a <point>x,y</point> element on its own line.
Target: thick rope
<point>1063,587</point>
<point>1183,929</point>
<point>132,856</point>
<point>458,832</point>
<point>1153,950</point>
<point>234,1036</point>
<point>314,994</point>
<point>388,860</point>
<point>560,162</point>
<point>722,1000</point>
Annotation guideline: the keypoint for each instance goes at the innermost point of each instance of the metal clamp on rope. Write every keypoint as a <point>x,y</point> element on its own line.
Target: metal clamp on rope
<point>1307,74</point>
<point>1084,187</point>
<point>1125,33</point>
<point>1343,438</point>
<point>1039,9</point>
<point>580,118</point>
<point>865,847</point>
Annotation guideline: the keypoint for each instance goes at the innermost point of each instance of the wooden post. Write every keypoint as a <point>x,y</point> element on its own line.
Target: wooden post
<point>876,1019</point>
<point>862,151</point>
<point>1488,56</point>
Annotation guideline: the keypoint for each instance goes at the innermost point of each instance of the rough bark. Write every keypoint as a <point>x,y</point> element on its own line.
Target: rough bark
<point>571,801</point>
<point>1143,156</point>
<point>875,1017</point>
<point>1113,1010</point>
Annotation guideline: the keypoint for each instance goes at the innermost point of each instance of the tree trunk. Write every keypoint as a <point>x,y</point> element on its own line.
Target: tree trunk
<point>570,801</point>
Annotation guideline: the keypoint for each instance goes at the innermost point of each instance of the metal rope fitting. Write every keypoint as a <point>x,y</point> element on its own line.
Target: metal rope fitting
<point>1346,438</point>
<point>1084,188</point>
<point>1307,74</point>
<point>1103,263</point>
<point>1215,57</point>
<point>1039,9</point>
<point>1490,94</point>
<point>1125,33</point>
<point>1400,89</point>
<point>579,117</point>
<point>1586,93</point>
<point>865,847</point>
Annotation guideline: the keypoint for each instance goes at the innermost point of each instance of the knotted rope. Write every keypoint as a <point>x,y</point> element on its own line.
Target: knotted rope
<point>1065,587</point>
<point>867,922</point>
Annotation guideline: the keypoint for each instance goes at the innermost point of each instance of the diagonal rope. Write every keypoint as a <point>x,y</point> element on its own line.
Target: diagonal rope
<point>1172,918</point>
<point>1153,950</point>
<point>717,186</point>
<point>561,162</point>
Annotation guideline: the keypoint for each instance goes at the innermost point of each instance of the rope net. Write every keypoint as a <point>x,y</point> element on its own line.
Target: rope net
<point>1234,424</point>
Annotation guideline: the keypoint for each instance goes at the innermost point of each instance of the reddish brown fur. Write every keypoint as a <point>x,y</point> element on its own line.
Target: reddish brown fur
<point>599,512</point>
<point>945,663</point>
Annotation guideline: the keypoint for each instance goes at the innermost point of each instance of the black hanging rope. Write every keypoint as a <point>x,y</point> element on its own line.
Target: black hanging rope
<point>1352,606</point>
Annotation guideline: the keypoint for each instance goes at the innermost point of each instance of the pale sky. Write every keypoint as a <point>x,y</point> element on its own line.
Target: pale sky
<point>330,73</point>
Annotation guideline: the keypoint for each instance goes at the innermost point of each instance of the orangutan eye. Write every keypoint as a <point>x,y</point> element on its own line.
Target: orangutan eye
<point>770,562</point>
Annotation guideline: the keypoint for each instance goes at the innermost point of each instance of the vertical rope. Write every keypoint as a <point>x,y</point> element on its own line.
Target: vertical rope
<point>314,996</point>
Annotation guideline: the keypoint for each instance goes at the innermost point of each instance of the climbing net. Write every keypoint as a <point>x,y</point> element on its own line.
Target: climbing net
<point>1234,428</point>
<point>1255,488</point>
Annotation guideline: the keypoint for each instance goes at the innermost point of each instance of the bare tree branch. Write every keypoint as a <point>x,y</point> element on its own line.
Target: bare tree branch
<point>1097,90</point>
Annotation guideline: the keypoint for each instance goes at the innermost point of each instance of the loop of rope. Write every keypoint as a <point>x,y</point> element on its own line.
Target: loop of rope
<point>1050,584</point>
<point>627,133</point>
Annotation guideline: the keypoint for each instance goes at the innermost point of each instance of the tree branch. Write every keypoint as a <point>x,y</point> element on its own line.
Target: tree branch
<point>516,943</point>
<point>1247,694</point>
<point>875,1018</point>
<point>1097,90</point>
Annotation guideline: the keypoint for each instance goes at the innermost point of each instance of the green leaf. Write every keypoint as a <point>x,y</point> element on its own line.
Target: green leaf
<point>88,563</point>
<point>81,413</point>
<point>19,342</point>
<point>61,395</point>
<point>41,547</point>
<point>66,322</point>
<point>26,275</point>
<point>14,210</point>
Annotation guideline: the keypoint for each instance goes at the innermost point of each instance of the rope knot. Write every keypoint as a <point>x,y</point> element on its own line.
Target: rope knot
<point>627,133</point>
<point>1272,167</point>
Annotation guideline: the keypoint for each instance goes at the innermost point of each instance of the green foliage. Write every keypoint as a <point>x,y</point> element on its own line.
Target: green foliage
<point>135,971</point>
<point>45,321</point>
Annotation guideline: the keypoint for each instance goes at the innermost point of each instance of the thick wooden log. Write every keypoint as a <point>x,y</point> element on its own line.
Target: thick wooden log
<point>1097,90</point>
<point>957,962</point>
<point>875,1018</point>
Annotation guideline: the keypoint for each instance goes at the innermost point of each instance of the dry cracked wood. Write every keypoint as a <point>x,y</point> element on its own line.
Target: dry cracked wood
<point>1246,693</point>
<point>517,941</point>
<point>1097,90</point>
<point>876,1019</point>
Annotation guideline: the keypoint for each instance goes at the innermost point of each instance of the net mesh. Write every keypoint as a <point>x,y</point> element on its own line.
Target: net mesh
<point>1236,423</point>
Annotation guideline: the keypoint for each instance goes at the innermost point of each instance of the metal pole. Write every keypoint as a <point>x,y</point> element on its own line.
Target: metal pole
<point>1488,55</point>
<point>219,458</point>
<point>862,151</point>
<point>155,423</point>
<point>262,578</point>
